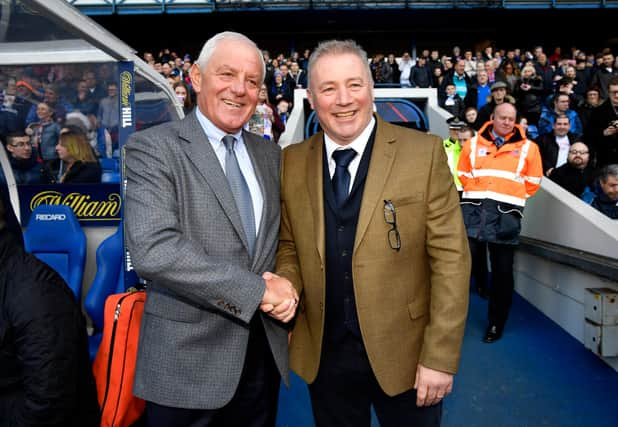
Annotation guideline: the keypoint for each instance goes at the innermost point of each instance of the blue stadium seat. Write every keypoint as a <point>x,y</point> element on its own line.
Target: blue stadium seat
<point>110,165</point>
<point>107,280</point>
<point>401,111</point>
<point>55,237</point>
<point>110,177</point>
<point>110,170</point>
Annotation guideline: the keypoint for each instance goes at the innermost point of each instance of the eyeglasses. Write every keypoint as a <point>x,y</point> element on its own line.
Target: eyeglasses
<point>21,144</point>
<point>580,152</point>
<point>613,92</point>
<point>390,216</point>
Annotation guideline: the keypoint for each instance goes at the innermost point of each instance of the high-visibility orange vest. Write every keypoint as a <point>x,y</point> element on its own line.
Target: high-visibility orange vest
<point>510,174</point>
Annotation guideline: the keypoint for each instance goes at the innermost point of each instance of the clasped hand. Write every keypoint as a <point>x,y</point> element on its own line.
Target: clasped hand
<point>280,298</point>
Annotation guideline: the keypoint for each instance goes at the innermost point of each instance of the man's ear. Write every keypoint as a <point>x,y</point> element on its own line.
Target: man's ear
<point>310,98</point>
<point>196,77</point>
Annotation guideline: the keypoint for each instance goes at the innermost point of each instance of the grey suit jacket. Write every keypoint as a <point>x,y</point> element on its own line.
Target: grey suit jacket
<point>185,235</point>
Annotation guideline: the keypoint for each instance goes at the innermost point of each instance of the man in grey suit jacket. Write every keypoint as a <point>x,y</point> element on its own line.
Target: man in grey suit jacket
<point>213,341</point>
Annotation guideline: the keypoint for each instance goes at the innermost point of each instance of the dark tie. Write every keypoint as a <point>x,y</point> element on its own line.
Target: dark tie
<point>499,141</point>
<point>341,178</point>
<point>240,190</point>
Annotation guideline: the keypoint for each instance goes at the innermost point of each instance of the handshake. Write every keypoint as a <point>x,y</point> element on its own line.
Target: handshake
<point>280,299</point>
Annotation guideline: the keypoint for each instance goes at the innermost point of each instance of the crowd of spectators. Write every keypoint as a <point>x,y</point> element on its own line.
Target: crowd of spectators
<point>562,98</point>
<point>567,103</point>
<point>58,121</point>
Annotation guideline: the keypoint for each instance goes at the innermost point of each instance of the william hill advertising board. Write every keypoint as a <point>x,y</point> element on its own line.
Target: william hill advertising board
<point>94,205</point>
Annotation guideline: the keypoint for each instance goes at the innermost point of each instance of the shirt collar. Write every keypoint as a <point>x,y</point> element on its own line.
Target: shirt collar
<point>357,145</point>
<point>213,133</point>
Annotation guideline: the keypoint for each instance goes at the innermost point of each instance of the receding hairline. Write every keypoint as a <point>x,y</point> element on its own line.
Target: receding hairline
<point>581,143</point>
<point>504,105</point>
<point>335,48</point>
<point>212,44</point>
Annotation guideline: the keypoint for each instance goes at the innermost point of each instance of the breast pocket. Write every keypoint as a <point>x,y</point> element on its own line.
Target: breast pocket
<point>409,199</point>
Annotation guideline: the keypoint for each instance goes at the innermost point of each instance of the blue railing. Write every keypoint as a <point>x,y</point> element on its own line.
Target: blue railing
<point>100,7</point>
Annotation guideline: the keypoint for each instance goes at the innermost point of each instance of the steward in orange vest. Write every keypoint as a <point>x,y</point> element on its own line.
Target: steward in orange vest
<point>499,169</point>
<point>496,183</point>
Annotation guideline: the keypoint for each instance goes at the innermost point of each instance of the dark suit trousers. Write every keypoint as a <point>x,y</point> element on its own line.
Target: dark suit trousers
<point>478,251</point>
<point>254,404</point>
<point>502,284</point>
<point>345,389</point>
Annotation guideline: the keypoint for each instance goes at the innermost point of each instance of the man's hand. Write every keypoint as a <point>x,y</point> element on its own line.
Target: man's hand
<point>431,385</point>
<point>280,298</point>
<point>610,130</point>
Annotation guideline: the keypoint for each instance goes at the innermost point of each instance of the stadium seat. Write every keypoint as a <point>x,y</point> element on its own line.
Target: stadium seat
<point>107,280</point>
<point>110,177</point>
<point>401,111</point>
<point>110,165</point>
<point>55,237</point>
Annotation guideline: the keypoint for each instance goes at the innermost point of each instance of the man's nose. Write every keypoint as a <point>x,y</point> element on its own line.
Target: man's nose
<point>238,86</point>
<point>343,96</point>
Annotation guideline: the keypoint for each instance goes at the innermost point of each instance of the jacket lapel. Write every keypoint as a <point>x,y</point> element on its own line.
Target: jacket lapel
<point>315,186</point>
<point>380,167</point>
<point>200,153</point>
<point>259,166</point>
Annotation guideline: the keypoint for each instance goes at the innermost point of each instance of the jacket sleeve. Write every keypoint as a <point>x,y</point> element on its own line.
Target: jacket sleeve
<point>288,264</point>
<point>546,162</point>
<point>47,339</point>
<point>464,167</point>
<point>533,171</point>
<point>447,249</point>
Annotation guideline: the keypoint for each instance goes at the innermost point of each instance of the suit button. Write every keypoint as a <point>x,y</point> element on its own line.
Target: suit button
<point>341,228</point>
<point>344,253</point>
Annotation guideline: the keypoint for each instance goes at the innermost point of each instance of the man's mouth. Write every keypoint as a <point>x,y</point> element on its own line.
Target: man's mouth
<point>232,104</point>
<point>344,115</point>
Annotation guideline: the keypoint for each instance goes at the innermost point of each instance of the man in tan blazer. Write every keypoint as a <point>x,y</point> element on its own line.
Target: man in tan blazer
<point>374,242</point>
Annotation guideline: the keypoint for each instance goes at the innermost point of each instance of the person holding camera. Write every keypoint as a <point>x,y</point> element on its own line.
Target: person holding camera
<point>529,94</point>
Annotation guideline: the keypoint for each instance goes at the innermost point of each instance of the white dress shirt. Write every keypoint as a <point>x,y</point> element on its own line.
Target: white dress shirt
<point>215,136</point>
<point>564,145</point>
<point>357,145</point>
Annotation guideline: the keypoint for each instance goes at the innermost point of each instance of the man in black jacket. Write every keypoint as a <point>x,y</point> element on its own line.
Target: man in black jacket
<point>555,146</point>
<point>45,373</point>
<point>576,174</point>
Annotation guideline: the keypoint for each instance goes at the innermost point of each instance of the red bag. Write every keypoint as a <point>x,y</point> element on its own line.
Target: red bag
<point>114,364</point>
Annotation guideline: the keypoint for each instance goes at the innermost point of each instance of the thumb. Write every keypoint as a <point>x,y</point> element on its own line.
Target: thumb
<point>267,308</point>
